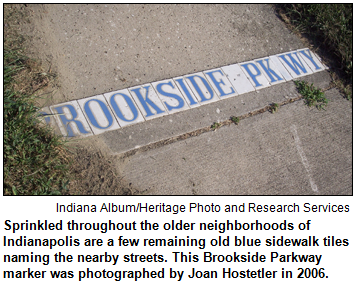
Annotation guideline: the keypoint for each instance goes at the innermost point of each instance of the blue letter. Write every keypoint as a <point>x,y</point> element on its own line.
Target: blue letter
<point>217,83</point>
<point>146,100</point>
<point>186,91</point>
<point>203,98</point>
<point>92,117</point>
<point>66,122</point>
<point>174,96</point>
<point>253,76</point>
<point>117,109</point>
<point>295,65</point>
<point>269,71</point>
<point>45,116</point>
<point>310,58</point>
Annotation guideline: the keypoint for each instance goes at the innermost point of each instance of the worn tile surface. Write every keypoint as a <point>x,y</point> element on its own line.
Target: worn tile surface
<point>71,120</point>
<point>201,88</point>
<point>220,83</point>
<point>98,114</point>
<point>238,78</point>
<point>124,107</point>
<point>148,101</point>
<point>170,96</point>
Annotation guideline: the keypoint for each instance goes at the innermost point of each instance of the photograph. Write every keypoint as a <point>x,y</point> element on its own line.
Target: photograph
<point>177,99</point>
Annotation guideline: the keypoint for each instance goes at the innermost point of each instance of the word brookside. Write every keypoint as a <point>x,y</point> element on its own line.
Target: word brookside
<point>106,112</point>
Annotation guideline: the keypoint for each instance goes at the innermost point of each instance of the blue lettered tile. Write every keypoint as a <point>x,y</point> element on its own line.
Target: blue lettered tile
<point>278,64</point>
<point>47,118</point>
<point>311,59</point>
<point>269,70</point>
<point>185,90</point>
<point>71,120</point>
<point>98,114</point>
<point>124,107</point>
<point>238,79</point>
<point>220,83</point>
<point>295,64</point>
<point>254,73</point>
<point>148,101</point>
<point>320,60</point>
<point>201,88</point>
<point>170,96</point>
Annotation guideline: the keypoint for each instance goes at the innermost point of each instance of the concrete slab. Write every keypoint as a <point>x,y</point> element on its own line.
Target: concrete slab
<point>296,151</point>
<point>98,48</point>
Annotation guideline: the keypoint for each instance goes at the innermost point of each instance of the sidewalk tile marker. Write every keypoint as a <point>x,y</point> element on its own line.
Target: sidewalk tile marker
<point>109,111</point>
<point>170,95</point>
<point>294,63</point>
<point>238,79</point>
<point>148,101</point>
<point>270,71</point>
<point>220,83</point>
<point>187,92</point>
<point>310,58</point>
<point>285,73</point>
<point>98,114</point>
<point>124,107</point>
<point>71,120</point>
<point>318,57</point>
<point>46,117</point>
<point>201,88</point>
<point>254,74</point>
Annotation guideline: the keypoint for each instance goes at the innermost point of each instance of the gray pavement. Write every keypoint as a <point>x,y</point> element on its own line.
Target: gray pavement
<point>295,151</point>
<point>101,48</point>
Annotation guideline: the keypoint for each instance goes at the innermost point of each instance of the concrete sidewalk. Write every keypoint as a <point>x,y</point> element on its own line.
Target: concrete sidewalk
<point>96,49</point>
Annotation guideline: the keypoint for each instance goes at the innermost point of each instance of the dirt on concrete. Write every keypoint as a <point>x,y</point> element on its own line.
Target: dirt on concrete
<point>94,173</point>
<point>98,48</point>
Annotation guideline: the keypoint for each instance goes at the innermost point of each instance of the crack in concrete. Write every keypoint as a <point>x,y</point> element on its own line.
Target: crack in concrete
<point>201,130</point>
<point>209,128</point>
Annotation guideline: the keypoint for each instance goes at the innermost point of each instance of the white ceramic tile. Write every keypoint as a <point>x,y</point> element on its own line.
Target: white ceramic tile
<point>270,71</point>
<point>285,73</point>
<point>98,114</point>
<point>124,107</point>
<point>310,58</point>
<point>185,90</point>
<point>298,65</point>
<point>254,74</point>
<point>220,83</point>
<point>170,95</point>
<point>322,62</point>
<point>47,118</point>
<point>148,101</point>
<point>201,88</point>
<point>238,78</point>
<point>70,120</point>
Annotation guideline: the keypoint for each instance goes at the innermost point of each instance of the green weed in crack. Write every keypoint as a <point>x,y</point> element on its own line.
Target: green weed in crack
<point>215,126</point>
<point>235,119</point>
<point>312,96</point>
<point>274,107</point>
